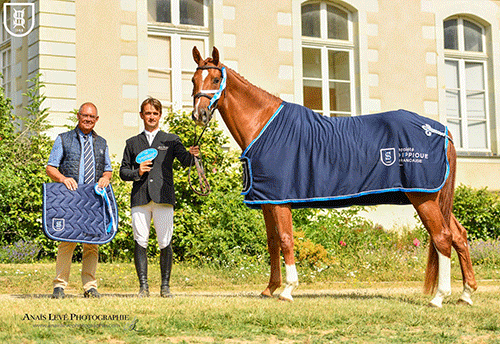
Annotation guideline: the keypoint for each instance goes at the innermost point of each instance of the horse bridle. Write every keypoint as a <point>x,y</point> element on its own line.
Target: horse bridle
<point>202,179</point>
<point>216,93</point>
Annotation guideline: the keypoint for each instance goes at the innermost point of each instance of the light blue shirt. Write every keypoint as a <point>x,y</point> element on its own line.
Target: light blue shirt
<point>56,155</point>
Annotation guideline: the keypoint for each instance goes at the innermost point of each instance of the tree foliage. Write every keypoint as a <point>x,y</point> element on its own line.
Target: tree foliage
<point>478,210</point>
<point>218,228</point>
<point>24,150</point>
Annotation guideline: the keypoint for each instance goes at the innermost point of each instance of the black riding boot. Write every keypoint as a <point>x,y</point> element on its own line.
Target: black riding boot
<point>141,266</point>
<point>166,268</point>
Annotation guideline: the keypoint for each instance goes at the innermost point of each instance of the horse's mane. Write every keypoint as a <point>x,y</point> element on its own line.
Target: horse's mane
<point>247,83</point>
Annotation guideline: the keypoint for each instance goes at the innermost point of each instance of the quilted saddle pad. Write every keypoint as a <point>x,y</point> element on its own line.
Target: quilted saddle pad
<point>309,160</point>
<point>82,216</point>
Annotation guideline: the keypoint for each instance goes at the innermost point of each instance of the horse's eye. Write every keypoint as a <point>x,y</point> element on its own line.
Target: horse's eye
<point>216,80</point>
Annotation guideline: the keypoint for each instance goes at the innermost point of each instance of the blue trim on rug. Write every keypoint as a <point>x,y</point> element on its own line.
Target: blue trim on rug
<point>343,197</point>
<point>263,130</point>
<point>250,146</point>
<point>250,175</point>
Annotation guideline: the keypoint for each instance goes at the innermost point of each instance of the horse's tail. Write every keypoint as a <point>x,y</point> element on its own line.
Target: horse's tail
<point>445,200</point>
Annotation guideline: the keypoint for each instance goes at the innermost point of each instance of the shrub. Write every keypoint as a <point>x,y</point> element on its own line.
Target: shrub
<point>218,228</point>
<point>215,227</point>
<point>310,253</point>
<point>343,234</point>
<point>24,151</point>
<point>479,212</point>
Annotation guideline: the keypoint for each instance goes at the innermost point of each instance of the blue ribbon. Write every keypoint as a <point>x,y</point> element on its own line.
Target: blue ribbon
<point>221,88</point>
<point>107,203</point>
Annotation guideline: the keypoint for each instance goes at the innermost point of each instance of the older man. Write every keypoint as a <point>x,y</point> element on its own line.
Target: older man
<point>79,156</point>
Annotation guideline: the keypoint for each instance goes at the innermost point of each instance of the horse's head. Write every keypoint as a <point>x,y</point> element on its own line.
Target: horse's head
<point>209,82</point>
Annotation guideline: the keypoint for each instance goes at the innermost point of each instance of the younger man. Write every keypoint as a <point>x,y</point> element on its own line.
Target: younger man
<point>153,191</point>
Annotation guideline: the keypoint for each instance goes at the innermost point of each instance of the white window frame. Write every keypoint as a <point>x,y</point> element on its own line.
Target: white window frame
<point>5,47</point>
<point>176,32</point>
<point>462,57</point>
<point>325,44</point>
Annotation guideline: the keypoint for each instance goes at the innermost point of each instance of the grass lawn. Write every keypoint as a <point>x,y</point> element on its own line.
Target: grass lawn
<point>223,306</point>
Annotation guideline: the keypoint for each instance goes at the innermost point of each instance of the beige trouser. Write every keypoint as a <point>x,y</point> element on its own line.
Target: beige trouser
<point>63,265</point>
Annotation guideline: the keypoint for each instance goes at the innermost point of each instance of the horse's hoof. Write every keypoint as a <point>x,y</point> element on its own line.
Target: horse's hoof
<point>464,301</point>
<point>436,303</point>
<point>265,296</point>
<point>267,293</point>
<point>287,299</point>
<point>466,295</point>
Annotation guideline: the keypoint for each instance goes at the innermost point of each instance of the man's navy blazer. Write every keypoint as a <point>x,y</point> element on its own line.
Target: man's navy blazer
<point>156,185</point>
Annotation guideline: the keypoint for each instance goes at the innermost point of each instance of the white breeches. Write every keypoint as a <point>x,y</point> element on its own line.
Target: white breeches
<point>163,218</point>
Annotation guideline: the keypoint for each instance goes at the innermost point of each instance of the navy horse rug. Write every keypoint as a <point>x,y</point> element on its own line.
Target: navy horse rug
<point>87,215</point>
<point>309,160</point>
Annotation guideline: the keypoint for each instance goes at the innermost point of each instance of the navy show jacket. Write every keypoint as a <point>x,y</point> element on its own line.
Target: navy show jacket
<point>156,185</point>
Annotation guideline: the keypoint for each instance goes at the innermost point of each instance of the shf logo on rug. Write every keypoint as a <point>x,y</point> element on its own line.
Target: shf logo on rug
<point>388,156</point>
<point>18,18</point>
<point>57,224</point>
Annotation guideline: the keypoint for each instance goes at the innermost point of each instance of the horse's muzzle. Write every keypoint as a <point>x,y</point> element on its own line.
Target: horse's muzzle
<point>201,116</point>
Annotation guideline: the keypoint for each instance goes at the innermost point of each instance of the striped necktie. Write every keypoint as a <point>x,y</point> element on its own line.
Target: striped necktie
<point>88,162</point>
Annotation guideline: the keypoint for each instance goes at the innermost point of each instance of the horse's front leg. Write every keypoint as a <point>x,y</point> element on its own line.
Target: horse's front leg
<point>273,246</point>
<point>282,216</point>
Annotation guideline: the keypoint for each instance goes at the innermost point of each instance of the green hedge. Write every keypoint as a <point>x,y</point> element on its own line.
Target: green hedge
<point>24,151</point>
<point>479,212</point>
<point>218,228</point>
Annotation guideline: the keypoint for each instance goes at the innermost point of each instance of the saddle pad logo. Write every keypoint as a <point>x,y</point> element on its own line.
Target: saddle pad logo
<point>388,156</point>
<point>58,224</point>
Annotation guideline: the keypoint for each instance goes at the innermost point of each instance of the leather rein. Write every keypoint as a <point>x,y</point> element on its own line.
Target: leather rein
<point>202,179</point>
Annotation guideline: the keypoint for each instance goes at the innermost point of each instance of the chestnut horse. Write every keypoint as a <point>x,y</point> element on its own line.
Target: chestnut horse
<point>246,109</point>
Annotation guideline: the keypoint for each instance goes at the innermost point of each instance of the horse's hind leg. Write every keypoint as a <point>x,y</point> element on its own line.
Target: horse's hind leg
<point>273,246</point>
<point>461,245</point>
<point>428,209</point>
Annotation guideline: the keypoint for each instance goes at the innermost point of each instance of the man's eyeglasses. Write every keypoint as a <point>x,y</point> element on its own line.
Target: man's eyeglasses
<point>91,117</point>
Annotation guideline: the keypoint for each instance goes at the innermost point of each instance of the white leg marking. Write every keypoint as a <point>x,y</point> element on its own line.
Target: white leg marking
<point>292,281</point>
<point>444,281</point>
<point>466,295</point>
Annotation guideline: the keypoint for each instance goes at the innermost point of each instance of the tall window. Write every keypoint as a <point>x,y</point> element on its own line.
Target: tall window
<point>188,12</point>
<point>466,84</point>
<point>327,57</point>
<point>175,26</point>
<point>5,57</point>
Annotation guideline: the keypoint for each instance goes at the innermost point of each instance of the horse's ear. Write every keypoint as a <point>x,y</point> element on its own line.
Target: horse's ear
<point>215,56</point>
<point>196,56</point>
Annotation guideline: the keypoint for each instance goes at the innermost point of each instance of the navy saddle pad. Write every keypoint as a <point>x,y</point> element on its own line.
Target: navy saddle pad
<point>79,216</point>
